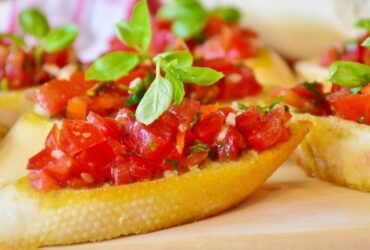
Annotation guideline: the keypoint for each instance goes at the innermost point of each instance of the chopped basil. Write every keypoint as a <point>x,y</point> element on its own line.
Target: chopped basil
<point>33,22</point>
<point>355,90</point>
<point>199,147</point>
<point>242,106</point>
<point>175,164</point>
<point>311,86</point>
<point>277,101</point>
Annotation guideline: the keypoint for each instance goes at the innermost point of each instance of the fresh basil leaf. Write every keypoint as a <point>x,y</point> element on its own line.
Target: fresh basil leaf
<point>16,40</point>
<point>242,106</point>
<point>189,27</point>
<point>189,17</point>
<point>155,102</point>
<point>229,14</point>
<point>177,86</point>
<point>112,66</point>
<point>124,33</point>
<point>140,25</point>
<point>349,73</point>
<point>184,58</point>
<point>199,75</point>
<point>366,43</point>
<point>364,24</point>
<point>33,22</point>
<point>311,86</point>
<point>60,38</point>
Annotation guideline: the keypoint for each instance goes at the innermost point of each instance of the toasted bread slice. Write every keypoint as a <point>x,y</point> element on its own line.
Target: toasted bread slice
<point>336,150</point>
<point>25,139</point>
<point>12,106</point>
<point>31,218</point>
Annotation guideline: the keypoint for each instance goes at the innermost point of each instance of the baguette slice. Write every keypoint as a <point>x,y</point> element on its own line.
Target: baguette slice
<point>12,106</point>
<point>31,218</point>
<point>336,150</point>
<point>25,139</point>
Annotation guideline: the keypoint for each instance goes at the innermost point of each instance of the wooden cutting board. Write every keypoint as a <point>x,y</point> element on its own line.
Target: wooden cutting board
<point>291,211</point>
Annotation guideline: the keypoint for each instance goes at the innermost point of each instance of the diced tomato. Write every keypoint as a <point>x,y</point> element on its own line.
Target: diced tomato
<point>95,161</point>
<point>106,104</point>
<point>77,108</point>
<point>76,136</point>
<point>52,140</point>
<point>231,43</point>
<point>269,131</point>
<point>208,128</point>
<point>354,107</point>
<point>54,95</point>
<point>60,58</point>
<point>146,141</point>
<point>248,119</point>
<point>239,82</point>
<point>231,146</point>
<point>140,168</point>
<point>107,126</point>
<point>195,159</point>
<point>186,112</point>
<point>42,181</point>
<point>121,172</point>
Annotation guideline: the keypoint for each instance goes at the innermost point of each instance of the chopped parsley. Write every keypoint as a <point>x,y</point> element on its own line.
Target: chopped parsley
<point>199,147</point>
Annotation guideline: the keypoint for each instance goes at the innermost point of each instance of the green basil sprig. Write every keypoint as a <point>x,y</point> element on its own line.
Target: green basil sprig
<point>34,23</point>
<point>137,32</point>
<point>190,17</point>
<point>366,43</point>
<point>177,68</point>
<point>364,24</point>
<point>112,66</point>
<point>349,73</point>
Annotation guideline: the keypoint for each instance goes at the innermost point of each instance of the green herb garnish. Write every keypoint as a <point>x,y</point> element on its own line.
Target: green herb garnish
<point>349,73</point>
<point>242,106</point>
<point>158,97</point>
<point>16,40</point>
<point>112,66</point>
<point>364,24</point>
<point>137,32</point>
<point>190,17</point>
<point>199,147</point>
<point>366,43</point>
<point>175,164</point>
<point>355,90</point>
<point>311,86</point>
<point>34,23</point>
<point>264,109</point>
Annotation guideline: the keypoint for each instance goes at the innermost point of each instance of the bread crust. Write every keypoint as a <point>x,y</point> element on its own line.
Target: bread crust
<point>336,150</point>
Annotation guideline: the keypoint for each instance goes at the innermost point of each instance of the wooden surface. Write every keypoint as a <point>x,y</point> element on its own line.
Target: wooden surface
<point>290,211</point>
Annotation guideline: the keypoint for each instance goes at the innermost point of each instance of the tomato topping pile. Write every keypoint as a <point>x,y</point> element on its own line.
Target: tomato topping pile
<point>20,69</point>
<point>122,150</point>
<point>225,40</point>
<point>345,102</point>
<point>351,51</point>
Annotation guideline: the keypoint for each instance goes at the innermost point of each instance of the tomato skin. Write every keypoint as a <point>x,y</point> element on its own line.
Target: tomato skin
<point>95,161</point>
<point>269,130</point>
<point>247,120</point>
<point>76,136</point>
<point>208,128</point>
<point>107,126</point>
<point>41,181</point>
<point>354,107</point>
<point>239,81</point>
<point>226,41</point>
<point>140,168</point>
<point>121,172</point>
<point>329,56</point>
<point>231,146</point>
<point>54,95</point>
